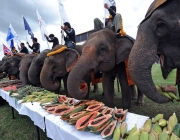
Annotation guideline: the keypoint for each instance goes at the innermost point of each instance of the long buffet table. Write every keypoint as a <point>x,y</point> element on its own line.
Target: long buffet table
<point>56,128</point>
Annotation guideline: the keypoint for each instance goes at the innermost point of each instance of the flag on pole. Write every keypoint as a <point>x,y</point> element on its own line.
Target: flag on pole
<point>10,36</point>
<point>63,15</point>
<point>42,26</point>
<point>6,50</point>
<point>16,38</point>
<point>27,27</point>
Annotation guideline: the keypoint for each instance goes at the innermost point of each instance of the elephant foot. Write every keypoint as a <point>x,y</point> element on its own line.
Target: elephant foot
<point>95,91</point>
<point>139,104</point>
<point>134,98</point>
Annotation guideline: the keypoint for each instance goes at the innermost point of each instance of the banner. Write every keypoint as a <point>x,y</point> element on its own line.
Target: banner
<point>6,50</point>
<point>42,26</point>
<point>63,15</point>
<point>27,27</point>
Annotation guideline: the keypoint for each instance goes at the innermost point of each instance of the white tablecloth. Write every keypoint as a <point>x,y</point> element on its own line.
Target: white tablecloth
<point>56,128</point>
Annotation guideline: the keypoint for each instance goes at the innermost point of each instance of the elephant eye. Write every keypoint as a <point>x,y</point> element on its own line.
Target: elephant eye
<point>102,48</point>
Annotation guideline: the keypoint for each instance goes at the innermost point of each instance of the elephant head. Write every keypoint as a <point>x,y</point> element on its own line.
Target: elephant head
<point>101,52</point>
<point>24,67</point>
<point>11,65</point>
<point>57,66</point>
<point>158,33</point>
<point>36,66</point>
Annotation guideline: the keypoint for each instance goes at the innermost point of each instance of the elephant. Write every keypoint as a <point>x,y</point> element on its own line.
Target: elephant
<point>11,66</point>
<point>58,66</point>
<point>36,67</point>
<point>3,74</point>
<point>158,34</point>
<point>104,52</point>
<point>24,67</point>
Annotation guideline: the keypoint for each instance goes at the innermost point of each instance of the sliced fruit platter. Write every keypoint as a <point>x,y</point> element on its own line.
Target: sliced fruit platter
<point>110,123</point>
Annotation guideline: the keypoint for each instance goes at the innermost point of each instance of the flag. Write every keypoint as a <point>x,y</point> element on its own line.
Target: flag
<point>6,50</point>
<point>16,38</point>
<point>42,25</point>
<point>64,17</point>
<point>27,27</point>
<point>11,36</point>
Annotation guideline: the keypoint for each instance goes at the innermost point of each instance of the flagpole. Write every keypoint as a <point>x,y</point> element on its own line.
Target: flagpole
<point>61,32</point>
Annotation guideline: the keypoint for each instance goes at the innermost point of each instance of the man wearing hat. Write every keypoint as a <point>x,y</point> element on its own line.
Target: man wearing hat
<point>52,39</point>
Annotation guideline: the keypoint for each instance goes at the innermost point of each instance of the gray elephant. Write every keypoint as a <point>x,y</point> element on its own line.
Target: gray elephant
<point>11,66</point>
<point>24,67</point>
<point>57,67</point>
<point>158,33</point>
<point>103,52</point>
<point>36,67</point>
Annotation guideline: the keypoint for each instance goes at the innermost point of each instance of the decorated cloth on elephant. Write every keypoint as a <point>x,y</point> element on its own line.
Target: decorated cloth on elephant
<point>129,79</point>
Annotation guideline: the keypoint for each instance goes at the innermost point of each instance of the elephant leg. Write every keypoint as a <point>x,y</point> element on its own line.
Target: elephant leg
<point>140,99</point>
<point>125,89</point>
<point>108,88</point>
<point>65,85</point>
<point>134,96</point>
<point>95,88</point>
<point>178,80</point>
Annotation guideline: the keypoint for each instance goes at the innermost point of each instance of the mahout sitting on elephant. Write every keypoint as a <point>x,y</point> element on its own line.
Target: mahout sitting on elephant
<point>103,52</point>
<point>158,33</point>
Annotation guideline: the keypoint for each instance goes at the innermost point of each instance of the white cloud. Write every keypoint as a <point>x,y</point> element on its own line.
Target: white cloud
<point>81,14</point>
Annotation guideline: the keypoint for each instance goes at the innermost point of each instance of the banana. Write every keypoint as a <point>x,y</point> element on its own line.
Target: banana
<point>157,128</point>
<point>133,130</point>
<point>147,125</point>
<point>172,123</point>
<point>134,136</point>
<point>163,136</point>
<point>144,135</point>
<point>123,128</point>
<point>163,93</point>
<point>165,129</point>
<point>174,137</point>
<point>162,122</point>
<point>173,96</point>
<point>157,118</point>
<point>153,136</point>
<point>117,133</point>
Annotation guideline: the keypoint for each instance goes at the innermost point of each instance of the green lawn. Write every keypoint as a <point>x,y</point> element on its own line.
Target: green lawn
<point>22,128</point>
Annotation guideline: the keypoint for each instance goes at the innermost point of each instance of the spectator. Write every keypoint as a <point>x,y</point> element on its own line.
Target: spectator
<point>52,39</point>
<point>35,47</point>
<point>70,40</point>
<point>23,49</point>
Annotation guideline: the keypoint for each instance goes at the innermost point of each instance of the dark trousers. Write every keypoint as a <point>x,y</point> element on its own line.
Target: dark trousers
<point>70,45</point>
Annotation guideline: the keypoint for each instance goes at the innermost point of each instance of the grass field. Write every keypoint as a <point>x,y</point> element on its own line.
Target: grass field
<point>22,128</point>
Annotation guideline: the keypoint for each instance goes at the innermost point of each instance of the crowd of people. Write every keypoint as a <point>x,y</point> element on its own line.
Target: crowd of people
<point>113,22</point>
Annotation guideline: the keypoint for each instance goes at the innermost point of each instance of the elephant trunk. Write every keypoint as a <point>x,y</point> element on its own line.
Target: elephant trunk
<point>47,81</point>
<point>78,88</point>
<point>141,59</point>
<point>34,74</point>
<point>23,77</point>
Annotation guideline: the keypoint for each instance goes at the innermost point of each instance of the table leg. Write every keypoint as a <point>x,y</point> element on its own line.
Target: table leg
<point>38,134</point>
<point>12,109</point>
<point>45,124</point>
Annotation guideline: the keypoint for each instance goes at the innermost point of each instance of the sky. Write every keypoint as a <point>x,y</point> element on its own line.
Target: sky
<point>80,13</point>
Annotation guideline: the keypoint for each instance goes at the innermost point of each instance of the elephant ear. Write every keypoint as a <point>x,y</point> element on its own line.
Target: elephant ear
<point>123,49</point>
<point>72,56</point>
<point>153,7</point>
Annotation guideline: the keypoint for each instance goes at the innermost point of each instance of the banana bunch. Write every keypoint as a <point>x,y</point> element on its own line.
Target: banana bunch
<point>39,97</point>
<point>169,95</point>
<point>161,130</point>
